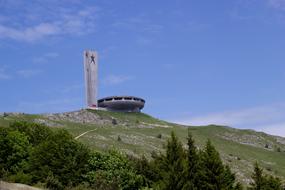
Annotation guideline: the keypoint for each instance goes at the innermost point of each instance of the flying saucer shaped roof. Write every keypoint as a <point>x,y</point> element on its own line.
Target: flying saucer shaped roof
<point>122,103</point>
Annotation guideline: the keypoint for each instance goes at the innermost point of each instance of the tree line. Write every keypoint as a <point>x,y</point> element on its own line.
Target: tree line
<point>34,154</point>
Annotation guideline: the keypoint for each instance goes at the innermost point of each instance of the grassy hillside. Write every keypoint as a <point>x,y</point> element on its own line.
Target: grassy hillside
<point>138,134</point>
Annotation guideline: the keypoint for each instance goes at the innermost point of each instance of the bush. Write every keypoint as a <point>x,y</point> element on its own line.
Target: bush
<point>144,168</point>
<point>53,183</point>
<point>83,186</point>
<point>264,182</point>
<point>34,154</point>
<point>112,169</point>
<point>159,136</point>
<point>14,150</point>
<point>114,121</point>
<point>101,181</point>
<point>20,177</point>
<point>37,133</point>
<point>62,156</point>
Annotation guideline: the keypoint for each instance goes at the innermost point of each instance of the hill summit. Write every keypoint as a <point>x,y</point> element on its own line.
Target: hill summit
<point>139,134</point>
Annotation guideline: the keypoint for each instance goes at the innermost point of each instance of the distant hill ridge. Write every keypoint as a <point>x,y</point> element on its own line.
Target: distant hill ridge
<point>140,134</point>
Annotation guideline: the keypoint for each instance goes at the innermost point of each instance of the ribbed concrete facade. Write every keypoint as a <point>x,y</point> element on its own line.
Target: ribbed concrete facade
<point>91,77</point>
<point>122,103</point>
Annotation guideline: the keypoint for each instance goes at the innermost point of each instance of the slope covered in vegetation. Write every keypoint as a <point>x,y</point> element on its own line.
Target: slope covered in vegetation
<point>34,154</point>
<point>139,134</point>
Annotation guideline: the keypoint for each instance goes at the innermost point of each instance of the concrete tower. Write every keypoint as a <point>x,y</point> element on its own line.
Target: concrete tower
<point>91,75</point>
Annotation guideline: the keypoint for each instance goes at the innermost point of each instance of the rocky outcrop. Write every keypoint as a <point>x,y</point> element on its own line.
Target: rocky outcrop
<point>81,116</point>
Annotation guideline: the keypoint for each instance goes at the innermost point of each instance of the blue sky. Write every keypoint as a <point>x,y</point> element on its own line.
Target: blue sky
<point>195,62</point>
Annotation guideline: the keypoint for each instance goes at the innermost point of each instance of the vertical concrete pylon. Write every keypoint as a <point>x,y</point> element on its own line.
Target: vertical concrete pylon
<point>91,77</point>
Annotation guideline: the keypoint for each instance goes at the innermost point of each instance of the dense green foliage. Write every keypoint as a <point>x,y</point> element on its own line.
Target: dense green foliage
<point>171,165</point>
<point>192,172</point>
<point>264,182</point>
<point>33,153</point>
<point>14,151</point>
<point>140,135</point>
<point>112,169</point>
<point>190,169</point>
<point>61,158</point>
<point>37,155</point>
<point>215,175</point>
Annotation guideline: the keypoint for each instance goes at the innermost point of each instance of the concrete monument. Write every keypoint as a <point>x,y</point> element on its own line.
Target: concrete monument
<point>112,103</point>
<point>91,77</point>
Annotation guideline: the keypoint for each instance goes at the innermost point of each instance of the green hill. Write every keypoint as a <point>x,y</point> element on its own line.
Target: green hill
<point>138,134</point>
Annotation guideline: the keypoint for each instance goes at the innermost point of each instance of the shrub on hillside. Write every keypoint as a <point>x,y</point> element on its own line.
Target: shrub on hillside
<point>60,157</point>
<point>159,136</point>
<point>264,182</point>
<point>14,151</point>
<point>112,170</point>
<point>36,133</point>
<point>188,169</point>
<point>32,153</point>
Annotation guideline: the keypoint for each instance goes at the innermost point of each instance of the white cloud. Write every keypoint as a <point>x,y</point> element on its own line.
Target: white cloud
<point>27,73</point>
<point>107,51</point>
<point>51,55</point>
<point>130,23</point>
<point>72,88</point>
<point>45,58</point>
<point>29,34</point>
<point>144,40</point>
<point>279,4</point>
<point>116,79</point>
<point>50,106</point>
<point>144,29</point>
<point>168,66</point>
<point>269,119</point>
<point>277,129</point>
<point>138,23</point>
<point>37,21</point>
<point>4,75</point>
<point>24,73</point>
<point>153,28</point>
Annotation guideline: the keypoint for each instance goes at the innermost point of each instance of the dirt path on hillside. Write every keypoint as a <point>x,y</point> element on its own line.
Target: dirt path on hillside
<point>84,134</point>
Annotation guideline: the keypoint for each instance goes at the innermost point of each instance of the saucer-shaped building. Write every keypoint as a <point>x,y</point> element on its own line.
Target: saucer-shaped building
<point>122,103</point>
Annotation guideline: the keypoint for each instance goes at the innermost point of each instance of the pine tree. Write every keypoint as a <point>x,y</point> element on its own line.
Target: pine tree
<point>215,175</point>
<point>144,168</point>
<point>192,169</point>
<point>229,179</point>
<point>238,186</point>
<point>172,165</point>
<point>258,179</point>
<point>273,183</point>
<point>264,182</point>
